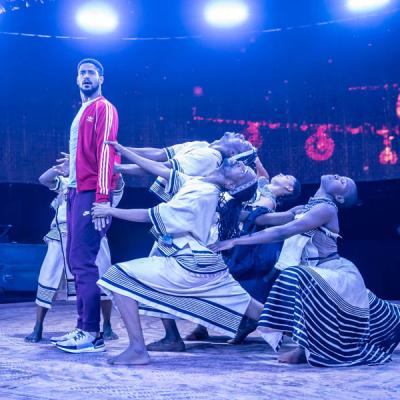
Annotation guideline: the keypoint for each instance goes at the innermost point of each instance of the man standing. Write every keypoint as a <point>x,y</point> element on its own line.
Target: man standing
<point>91,180</point>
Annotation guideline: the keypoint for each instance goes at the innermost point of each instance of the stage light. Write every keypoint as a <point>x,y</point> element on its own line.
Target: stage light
<point>366,5</point>
<point>97,17</point>
<point>226,14</point>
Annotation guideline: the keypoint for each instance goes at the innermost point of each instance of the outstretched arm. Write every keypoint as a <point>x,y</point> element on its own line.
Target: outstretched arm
<point>261,171</point>
<point>130,169</point>
<point>150,153</point>
<point>48,178</point>
<point>134,215</point>
<point>274,219</point>
<point>320,215</point>
<point>152,167</point>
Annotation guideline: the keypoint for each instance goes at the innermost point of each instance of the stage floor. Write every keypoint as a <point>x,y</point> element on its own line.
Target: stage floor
<point>211,370</point>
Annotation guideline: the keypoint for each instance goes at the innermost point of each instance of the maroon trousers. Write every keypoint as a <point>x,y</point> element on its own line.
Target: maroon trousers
<point>83,245</point>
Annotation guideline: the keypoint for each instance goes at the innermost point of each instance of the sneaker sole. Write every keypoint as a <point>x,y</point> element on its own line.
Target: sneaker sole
<point>87,350</point>
<point>56,341</point>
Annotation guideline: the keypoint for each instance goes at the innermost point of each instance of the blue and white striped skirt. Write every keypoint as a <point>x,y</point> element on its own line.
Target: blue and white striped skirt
<point>332,331</point>
<point>163,287</point>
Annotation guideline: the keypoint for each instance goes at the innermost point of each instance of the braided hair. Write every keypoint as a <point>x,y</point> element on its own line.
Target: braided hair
<point>229,212</point>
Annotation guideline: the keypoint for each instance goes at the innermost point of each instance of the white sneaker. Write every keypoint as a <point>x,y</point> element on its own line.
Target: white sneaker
<point>67,336</point>
<point>82,342</point>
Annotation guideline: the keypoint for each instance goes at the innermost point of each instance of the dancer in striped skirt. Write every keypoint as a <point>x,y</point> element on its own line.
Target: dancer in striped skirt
<point>193,159</point>
<point>320,299</point>
<point>56,281</point>
<point>182,278</point>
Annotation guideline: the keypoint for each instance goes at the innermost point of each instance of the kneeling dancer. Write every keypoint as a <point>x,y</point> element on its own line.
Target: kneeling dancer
<point>320,299</point>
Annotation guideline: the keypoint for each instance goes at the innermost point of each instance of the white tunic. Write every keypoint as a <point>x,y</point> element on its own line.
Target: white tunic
<point>192,158</point>
<point>184,278</point>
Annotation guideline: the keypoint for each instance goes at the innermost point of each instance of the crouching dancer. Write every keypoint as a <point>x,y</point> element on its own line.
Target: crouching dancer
<point>183,278</point>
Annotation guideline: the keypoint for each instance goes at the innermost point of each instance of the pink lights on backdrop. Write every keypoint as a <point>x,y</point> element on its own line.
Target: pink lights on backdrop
<point>319,146</point>
<point>398,106</point>
<point>387,156</point>
<point>198,91</point>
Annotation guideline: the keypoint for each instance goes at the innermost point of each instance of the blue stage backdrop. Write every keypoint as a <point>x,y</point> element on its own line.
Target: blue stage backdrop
<point>314,100</point>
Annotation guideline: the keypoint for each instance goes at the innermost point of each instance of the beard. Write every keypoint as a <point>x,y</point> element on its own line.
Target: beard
<point>89,92</point>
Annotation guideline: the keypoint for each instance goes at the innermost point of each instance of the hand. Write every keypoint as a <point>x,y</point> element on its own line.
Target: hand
<point>221,246</point>
<point>101,213</point>
<point>61,170</point>
<point>118,147</point>
<point>65,156</point>
<point>63,167</point>
<point>117,168</point>
<point>296,210</point>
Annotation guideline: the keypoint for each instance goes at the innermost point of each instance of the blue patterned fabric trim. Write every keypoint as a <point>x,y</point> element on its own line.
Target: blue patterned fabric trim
<point>158,188</point>
<point>45,295</point>
<point>71,289</point>
<point>170,152</point>
<point>312,202</point>
<point>176,166</point>
<point>201,264</point>
<point>156,220</point>
<point>175,183</point>
<point>198,262</point>
<point>334,332</point>
<point>192,308</point>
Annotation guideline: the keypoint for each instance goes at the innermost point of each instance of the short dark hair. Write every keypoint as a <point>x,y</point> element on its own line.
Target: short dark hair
<point>96,63</point>
<point>295,194</point>
<point>351,195</point>
<point>288,199</point>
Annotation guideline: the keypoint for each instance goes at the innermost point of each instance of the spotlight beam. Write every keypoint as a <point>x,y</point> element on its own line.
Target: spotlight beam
<point>366,5</point>
<point>226,14</point>
<point>97,17</point>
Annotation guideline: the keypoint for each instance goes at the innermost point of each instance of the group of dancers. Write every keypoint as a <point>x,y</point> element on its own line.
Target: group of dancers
<point>223,257</point>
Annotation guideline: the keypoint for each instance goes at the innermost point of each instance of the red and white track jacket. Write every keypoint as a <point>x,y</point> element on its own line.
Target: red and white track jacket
<point>95,159</point>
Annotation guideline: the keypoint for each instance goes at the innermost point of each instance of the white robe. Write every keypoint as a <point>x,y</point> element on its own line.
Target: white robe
<point>184,278</point>
<point>193,159</point>
<point>55,278</point>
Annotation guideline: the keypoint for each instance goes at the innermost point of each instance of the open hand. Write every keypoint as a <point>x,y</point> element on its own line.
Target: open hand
<point>65,156</point>
<point>63,167</point>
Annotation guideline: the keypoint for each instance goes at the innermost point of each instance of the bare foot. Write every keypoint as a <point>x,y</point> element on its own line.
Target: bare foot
<point>35,336</point>
<point>167,345</point>
<point>246,327</point>
<point>296,356</point>
<point>130,357</point>
<point>199,333</point>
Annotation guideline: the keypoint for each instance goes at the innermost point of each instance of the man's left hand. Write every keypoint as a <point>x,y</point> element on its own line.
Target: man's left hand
<point>101,213</point>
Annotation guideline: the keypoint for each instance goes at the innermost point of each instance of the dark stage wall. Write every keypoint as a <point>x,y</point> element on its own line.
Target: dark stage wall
<point>314,100</point>
<point>319,100</point>
<point>370,231</point>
